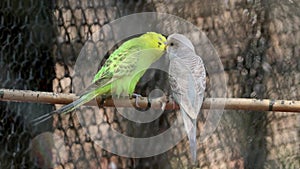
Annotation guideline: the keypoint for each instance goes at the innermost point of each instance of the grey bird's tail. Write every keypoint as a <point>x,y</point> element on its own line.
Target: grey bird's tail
<point>191,128</point>
<point>193,141</point>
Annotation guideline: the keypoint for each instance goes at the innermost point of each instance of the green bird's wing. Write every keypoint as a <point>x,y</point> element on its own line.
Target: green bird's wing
<point>122,59</point>
<point>120,63</point>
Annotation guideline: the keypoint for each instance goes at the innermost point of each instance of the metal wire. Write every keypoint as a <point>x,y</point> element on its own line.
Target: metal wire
<point>258,42</point>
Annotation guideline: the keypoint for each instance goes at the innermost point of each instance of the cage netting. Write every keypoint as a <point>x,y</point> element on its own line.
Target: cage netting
<point>258,42</point>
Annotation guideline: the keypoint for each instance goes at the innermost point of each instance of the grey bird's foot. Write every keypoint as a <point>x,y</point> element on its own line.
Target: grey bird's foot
<point>171,99</point>
<point>163,102</point>
<point>159,102</point>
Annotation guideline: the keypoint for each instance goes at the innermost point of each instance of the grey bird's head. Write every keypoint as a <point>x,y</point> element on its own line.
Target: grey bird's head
<point>178,44</point>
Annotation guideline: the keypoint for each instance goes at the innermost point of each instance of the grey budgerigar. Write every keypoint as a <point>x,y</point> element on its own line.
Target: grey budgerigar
<point>187,79</point>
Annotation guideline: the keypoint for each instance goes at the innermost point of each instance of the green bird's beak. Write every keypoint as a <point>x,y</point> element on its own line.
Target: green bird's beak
<point>166,45</point>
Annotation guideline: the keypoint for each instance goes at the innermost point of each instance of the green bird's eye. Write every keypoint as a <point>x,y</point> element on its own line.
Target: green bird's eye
<point>159,43</point>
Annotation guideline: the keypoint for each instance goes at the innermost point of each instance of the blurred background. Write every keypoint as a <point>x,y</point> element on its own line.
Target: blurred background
<point>259,45</point>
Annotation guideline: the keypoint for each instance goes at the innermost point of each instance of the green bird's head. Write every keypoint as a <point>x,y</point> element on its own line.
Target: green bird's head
<point>155,40</point>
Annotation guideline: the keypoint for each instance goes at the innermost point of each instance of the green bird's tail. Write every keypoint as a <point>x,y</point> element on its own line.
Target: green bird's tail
<point>67,108</point>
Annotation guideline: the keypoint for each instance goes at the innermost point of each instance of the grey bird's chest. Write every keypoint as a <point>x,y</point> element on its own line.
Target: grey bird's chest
<point>186,75</point>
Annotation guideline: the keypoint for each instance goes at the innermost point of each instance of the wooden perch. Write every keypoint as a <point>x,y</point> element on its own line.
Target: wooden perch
<point>230,103</point>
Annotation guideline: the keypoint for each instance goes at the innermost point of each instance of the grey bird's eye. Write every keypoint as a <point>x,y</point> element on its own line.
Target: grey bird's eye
<point>171,44</point>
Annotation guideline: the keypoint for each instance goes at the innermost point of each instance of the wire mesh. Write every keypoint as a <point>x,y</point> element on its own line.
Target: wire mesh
<point>258,42</point>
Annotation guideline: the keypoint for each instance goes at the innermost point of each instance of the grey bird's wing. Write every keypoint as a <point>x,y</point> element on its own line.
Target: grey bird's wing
<point>187,80</point>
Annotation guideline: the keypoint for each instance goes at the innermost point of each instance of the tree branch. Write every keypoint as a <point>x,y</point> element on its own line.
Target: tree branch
<point>230,103</point>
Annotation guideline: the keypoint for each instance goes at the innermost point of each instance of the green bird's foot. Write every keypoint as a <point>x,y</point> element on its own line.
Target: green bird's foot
<point>137,97</point>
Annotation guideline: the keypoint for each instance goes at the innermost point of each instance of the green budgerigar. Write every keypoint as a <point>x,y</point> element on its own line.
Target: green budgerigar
<point>121,71</point>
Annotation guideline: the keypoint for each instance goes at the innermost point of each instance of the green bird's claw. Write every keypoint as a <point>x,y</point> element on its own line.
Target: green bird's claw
<point>136,96</point>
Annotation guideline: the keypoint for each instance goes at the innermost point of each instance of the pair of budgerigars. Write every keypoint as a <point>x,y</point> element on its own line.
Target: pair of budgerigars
<point>127,64</point>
